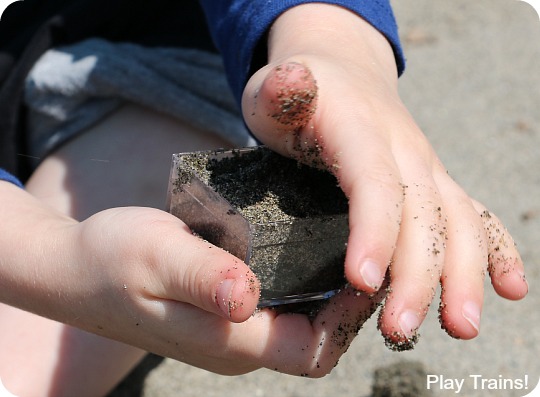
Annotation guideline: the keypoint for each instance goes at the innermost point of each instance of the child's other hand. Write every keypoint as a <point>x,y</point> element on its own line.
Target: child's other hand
<point>329,98</point>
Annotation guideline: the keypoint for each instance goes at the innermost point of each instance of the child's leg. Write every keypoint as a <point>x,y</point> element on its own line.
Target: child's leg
<point>125,160</point>
<point>41,357</point>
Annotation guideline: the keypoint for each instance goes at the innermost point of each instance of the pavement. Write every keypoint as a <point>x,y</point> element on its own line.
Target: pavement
<point>473,85</point>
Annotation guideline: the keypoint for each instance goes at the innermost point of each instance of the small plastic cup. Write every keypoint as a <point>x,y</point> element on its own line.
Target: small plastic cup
<point>288,222</point>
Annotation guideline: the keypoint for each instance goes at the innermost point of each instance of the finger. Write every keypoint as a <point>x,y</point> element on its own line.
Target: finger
<point>300,347</point>
<point>417,264</point>
<point>286,343</point>
<point>189,269</point>
<point>505,266</point>
<point>465,266</point>
<point>375,195</point>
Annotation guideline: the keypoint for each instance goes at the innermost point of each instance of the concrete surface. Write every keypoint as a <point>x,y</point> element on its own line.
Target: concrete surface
<point>473,84</point>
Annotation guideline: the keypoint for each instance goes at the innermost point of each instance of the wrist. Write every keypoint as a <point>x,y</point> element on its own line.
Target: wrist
<point>333,32</point>
<point>32,250</point>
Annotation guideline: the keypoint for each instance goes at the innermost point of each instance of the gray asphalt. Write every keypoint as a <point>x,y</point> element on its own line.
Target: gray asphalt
<point>473,85</point>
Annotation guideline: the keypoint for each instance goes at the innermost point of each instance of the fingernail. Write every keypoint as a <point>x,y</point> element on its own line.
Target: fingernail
<point>224,295</point>
<point>471,313</point>
<point>409,323</point>
<point>371,274</point>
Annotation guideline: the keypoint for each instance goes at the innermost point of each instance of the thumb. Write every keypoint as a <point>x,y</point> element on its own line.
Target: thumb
<point>208,277</point>
<point>278,103</point>
<point>169,263</point>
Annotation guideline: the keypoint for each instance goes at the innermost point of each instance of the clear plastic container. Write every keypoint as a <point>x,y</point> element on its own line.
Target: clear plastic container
<point>298,255</point>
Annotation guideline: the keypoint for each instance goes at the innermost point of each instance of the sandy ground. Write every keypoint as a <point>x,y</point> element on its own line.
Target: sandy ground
<point>473,85</point>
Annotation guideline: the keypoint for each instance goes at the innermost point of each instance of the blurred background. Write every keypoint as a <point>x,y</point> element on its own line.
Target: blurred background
<point>473,84</point>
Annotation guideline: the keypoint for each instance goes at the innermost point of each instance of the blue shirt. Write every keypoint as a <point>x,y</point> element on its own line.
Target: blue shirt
<point>6,176</point>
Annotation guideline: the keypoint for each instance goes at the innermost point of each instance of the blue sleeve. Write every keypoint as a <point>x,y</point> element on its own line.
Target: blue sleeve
<point>6,176</point>
<point>238,25</point>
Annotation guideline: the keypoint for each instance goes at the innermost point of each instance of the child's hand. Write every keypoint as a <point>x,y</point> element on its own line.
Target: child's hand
<point>139,276</point>
<point>329,98</point>
<point>181,297</point>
